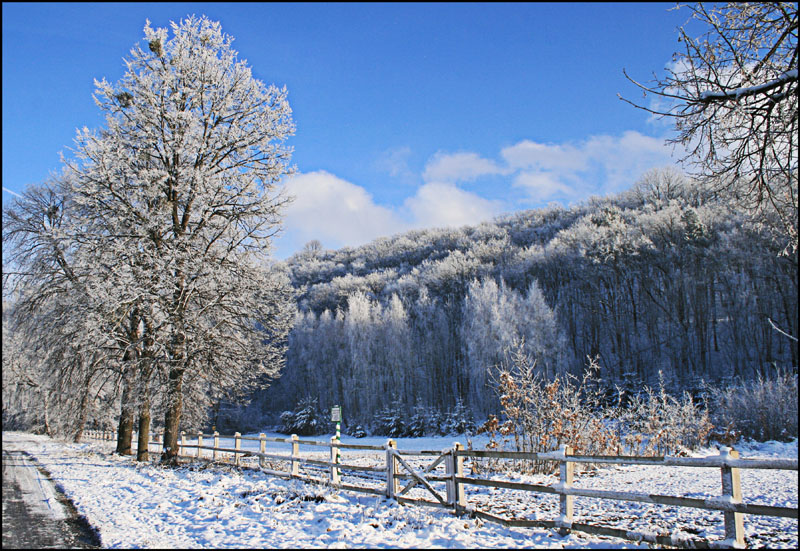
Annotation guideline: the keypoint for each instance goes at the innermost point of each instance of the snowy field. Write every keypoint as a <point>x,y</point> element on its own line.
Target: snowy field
<point>149,506</point>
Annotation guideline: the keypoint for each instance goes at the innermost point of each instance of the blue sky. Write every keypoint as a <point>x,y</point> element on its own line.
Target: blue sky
<point>408,115</point>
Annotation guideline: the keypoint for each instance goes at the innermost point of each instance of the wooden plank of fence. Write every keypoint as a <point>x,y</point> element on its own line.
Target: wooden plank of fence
<point>391,470</point>
<point>262,448</point>
<point>237,444</point>
<point>509,485</point>
<point>455,469</point>
<point>420,452</point>
<point>667,461</point>
<point>490,517</point>
<point>712,503</point>
<point>312,443</point>
<point>295,456</point>
<point>361,447</point>
<point>498,454</point>
<point>566,502</point>
<point>343,467</point>
<point>732,490</point>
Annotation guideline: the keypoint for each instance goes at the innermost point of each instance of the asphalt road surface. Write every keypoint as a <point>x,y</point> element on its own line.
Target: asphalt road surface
<point>36,515</point>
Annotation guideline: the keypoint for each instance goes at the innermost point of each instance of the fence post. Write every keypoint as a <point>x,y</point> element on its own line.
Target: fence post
<point>181,447</point>
<point>732,490</point>
<point>566,471</point>
<point>262,447</point>
<point>237,444</point>
<point>199,443</point>
<point>458,472</point>
<point>216,445</point>
<point>335,460</point>
<point>295,456</point>
<point>392,483</point>
<point>454,466</point>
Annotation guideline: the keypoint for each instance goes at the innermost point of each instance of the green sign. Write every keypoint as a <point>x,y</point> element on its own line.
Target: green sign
<point>336,414</point>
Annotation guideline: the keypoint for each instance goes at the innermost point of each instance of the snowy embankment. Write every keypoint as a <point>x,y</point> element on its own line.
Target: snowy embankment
<point>149,506</point>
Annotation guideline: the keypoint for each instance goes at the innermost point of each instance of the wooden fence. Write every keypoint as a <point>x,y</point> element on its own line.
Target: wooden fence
<point>397,468</point>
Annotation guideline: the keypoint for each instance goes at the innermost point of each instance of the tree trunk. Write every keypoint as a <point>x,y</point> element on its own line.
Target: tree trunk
<point>83,411</point>
<point>172,416</point>
<point>47,429</point>
<point>143,448</point>
<point>125,429</point>
<point>126,417</point>
<point>142,451</point>
<point>76,437</point>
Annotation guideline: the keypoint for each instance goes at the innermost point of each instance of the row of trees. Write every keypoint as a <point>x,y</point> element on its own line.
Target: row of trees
<point>141,274</point>
<point>667,277</point>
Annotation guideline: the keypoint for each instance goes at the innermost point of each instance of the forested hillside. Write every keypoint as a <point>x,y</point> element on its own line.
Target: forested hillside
<point>664,277</point>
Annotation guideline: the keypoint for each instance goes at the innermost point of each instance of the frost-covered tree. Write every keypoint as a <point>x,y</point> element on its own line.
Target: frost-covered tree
<point>173,204</point>
<point>732,93</point>
<point>669,276</point>
<point>185,171</point>
<point>62,325</point>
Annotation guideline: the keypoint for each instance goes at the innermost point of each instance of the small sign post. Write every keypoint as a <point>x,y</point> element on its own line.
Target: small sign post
<point>336,417</point>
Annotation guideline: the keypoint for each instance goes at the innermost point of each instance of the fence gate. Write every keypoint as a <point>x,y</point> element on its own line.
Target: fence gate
<point>423,477</point>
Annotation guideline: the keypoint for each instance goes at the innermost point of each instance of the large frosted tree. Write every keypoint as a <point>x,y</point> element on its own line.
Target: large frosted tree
<point>732,92</point>
<point>181,183</point>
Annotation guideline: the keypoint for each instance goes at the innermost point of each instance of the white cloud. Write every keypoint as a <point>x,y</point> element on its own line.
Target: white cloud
<point>441,204</point>
<point>395,162</point>
<point>458,167</point>
<point>543,186</point>
<point>339,213</point>
<point>528,154</point>
<point>598,165</point>
<point>335,211</point>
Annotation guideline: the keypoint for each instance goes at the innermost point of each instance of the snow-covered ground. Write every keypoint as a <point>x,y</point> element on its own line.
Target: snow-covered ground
<point>150,506</point>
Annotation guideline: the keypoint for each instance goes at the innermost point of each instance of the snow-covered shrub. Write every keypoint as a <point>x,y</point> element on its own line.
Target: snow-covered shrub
<point>655,423</point>
<point>764,409</point>
<point>542,415</point>
<point>305,420</point>
<point>357,431</point>
<point>458,420</point>
<point>421,422</point>
<point>390,421</point>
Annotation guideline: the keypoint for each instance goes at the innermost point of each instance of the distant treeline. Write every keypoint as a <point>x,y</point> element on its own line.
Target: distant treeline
<point>666,277</point>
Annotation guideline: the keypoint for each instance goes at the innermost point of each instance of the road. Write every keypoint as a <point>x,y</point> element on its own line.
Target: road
<point>36,514</point>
